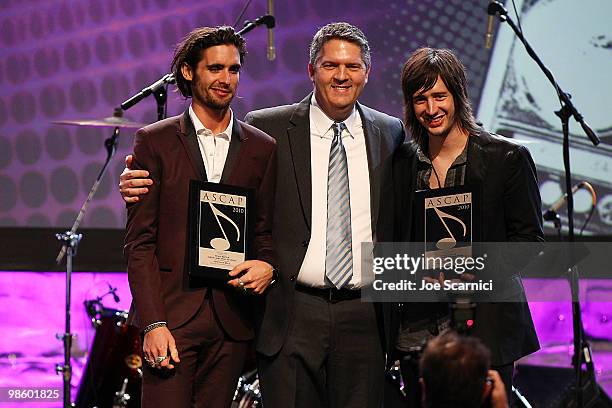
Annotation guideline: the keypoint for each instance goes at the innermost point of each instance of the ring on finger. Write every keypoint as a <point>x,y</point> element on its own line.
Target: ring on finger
<point>241,283</point>
<point>160,359</point>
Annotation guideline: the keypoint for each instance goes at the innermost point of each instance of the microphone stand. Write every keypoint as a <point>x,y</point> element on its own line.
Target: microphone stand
<point>582,350</point>
<point>70,241</point>
<point>159,88</point>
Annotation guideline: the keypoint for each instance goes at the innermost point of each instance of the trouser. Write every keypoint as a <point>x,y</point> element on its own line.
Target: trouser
<point>208,371</point>
<point>332,357</point>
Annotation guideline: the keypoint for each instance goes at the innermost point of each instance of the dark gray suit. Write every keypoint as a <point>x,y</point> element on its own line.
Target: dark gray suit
<point>290,126</point>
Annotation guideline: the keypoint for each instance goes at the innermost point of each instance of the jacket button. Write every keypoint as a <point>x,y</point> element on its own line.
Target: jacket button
<point>305,244</point>
<point>292,278</point>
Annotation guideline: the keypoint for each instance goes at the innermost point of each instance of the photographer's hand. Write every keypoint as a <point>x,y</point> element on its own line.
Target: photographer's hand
<point>499,399</point>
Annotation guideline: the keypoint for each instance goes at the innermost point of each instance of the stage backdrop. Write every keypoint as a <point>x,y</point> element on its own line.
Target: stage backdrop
<point>81,58</point>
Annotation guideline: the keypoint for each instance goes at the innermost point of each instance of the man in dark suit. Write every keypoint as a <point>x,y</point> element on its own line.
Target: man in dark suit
<point>195,333</point>
<point>318,345</point>
<point>449,149</point>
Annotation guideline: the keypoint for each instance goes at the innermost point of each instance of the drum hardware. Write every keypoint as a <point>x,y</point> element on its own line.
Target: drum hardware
<point>113,374</point>
<point>70,241</point>
<point>121,397</point>
<point>248,394</point>
<point>96,310</point>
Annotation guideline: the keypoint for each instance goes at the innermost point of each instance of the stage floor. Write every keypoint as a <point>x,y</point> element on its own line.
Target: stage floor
<point>32,312</point>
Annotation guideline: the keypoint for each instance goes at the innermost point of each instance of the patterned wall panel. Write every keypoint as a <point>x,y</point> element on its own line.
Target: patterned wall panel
<point>76,59</point>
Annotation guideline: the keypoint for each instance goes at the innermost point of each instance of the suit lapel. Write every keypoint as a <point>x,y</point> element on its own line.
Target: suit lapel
<point>234,151</point>
<point>189,140</point>
<point>299,147</point>
<point>372,139</point>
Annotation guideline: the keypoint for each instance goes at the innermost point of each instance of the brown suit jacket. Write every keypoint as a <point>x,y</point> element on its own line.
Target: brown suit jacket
<point>155,242</point>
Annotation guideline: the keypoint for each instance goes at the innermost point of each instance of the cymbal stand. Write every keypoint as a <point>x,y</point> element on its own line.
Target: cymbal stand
<point>70,241</point>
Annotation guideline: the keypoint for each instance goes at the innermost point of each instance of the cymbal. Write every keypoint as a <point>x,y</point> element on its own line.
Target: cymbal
<point>110,122</point>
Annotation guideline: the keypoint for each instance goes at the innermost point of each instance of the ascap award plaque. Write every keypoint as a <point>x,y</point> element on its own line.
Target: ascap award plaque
<point>447,221</point>
<point>220,228</point>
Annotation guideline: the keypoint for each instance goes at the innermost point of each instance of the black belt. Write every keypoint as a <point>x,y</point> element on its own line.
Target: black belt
<point>332,295</point>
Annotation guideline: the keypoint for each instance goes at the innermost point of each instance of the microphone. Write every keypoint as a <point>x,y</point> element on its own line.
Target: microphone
<point>154,87</point>
<point>492,10</point>
<point>271,49</point>
<point>551,213</point>
<point>112,292</point>
<point>489,35</point>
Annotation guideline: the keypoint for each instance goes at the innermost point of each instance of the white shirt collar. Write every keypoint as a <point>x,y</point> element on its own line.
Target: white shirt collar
<point>201,130</point>
<point>323,123</point>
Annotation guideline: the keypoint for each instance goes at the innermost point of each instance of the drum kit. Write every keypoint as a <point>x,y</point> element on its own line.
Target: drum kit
<point>115,121</point>
<point>113,373</point>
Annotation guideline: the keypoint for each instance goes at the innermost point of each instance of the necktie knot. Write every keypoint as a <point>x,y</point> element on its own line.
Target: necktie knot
<point>338,127</point>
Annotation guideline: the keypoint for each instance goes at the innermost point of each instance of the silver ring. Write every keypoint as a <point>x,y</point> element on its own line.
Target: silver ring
<point>158,360</point>
<point>241,283</point>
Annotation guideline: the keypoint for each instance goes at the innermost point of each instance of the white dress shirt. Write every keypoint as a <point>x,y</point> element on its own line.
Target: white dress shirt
<point>213,147</point>
<point>312,271</point>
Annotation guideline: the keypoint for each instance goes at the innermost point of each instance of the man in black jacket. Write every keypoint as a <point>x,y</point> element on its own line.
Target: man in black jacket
<point>449,149</point>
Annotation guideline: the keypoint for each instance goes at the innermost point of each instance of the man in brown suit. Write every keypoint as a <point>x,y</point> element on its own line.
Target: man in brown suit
<point>195,334</point>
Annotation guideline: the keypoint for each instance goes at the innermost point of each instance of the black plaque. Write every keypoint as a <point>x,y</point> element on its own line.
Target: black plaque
<point>221,221</point>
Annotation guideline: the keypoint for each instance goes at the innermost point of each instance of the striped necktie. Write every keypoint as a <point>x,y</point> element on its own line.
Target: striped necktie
<point>339,253</point>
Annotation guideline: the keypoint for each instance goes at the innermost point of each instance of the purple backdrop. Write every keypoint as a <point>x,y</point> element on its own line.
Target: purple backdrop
<point>81,58</point>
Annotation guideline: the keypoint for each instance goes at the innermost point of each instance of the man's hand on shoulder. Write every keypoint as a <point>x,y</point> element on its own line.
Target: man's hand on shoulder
<point>132,183</point>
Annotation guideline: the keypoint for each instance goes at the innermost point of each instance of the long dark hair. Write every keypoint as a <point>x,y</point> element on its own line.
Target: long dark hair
<point>421,72</point>
<point>189,51</point>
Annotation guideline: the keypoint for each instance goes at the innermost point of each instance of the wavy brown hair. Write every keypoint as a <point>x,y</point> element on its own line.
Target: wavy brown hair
<point>420,73</point>
<point>189,51</point>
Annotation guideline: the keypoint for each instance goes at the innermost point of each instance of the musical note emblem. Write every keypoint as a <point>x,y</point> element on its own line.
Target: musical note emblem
<point>222,244</point>
<point>450,241</point>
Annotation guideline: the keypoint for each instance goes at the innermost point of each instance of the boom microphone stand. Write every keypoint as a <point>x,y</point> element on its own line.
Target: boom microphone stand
<point>582,351</point>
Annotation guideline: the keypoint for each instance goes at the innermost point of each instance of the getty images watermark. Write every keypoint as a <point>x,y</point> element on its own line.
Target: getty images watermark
<point>436,273</point>
<point>485,271</point>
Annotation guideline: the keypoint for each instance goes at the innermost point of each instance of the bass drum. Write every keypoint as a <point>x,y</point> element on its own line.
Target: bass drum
<point>113,374</point>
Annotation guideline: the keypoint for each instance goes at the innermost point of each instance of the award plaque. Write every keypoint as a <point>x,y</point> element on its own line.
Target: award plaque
<point>220,228</point>
<point>447,221</point>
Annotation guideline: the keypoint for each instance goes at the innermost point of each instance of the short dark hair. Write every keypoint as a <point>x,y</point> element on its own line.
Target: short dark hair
<point>340,31</point>
<point>454,369</point>
<point>421,72</point>
<point>189,51</point>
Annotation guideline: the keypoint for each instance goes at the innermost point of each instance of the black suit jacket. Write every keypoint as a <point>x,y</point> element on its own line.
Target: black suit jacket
<point>506,176</point>
<point>290,126</point>
<point>156,231</point>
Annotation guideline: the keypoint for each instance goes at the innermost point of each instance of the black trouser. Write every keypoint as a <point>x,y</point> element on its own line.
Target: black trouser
<point>332,357</point>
